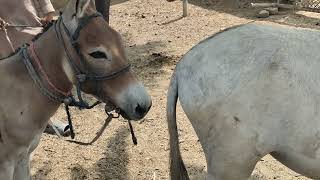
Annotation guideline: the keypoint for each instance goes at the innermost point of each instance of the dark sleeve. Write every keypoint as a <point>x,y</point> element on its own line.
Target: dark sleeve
<point>103,7</point>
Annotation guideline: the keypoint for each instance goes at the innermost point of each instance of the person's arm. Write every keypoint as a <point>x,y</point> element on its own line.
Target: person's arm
<point>47,18</point>
<point>103,7</point>
<point>45,10</point>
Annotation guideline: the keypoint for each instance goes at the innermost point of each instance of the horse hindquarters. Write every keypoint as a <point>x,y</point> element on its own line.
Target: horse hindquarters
<point>231,148</point>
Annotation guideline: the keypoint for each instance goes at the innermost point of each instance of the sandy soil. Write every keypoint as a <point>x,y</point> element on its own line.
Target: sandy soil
<point>156,38</point>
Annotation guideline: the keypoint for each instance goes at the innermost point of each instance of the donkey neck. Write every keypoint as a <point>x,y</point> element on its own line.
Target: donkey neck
<point>25,109</point>
<point>51,56</point>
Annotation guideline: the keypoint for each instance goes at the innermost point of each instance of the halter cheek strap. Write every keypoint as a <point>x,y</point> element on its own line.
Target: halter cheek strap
<point>80,74</point>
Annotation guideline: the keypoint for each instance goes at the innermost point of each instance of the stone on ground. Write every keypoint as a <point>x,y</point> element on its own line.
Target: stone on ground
<point>263,14</point>
<point>272,10</point>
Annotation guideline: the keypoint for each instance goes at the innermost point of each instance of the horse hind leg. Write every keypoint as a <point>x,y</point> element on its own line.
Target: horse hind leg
<point>232,165</point>
<point>6,170</point>
<point>233,154</point>
<point>22,168</point>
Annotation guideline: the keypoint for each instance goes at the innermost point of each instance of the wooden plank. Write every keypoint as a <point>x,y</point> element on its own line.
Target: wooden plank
<point>265,5</point>
<point>114,2</point>
<point>185,8</point>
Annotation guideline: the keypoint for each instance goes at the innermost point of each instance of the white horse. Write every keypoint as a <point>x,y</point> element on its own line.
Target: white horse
<point>79,49</point>
<point>250,91</point>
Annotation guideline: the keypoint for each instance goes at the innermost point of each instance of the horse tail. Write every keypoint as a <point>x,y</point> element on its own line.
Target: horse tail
<point>177,168</point>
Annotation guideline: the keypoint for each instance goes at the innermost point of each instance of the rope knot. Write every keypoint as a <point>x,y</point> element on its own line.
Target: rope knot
<point>81,77</point>
<point>67,100</point>
<point>3,25</point>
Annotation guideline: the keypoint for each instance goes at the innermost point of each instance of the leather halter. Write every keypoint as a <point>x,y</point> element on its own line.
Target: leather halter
<point>51,91</point>
<point>74,42</point>
<point>80,74</point>
<point>42,80</point>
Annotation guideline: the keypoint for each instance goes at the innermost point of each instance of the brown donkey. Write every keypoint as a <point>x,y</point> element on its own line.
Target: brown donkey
<point>80,50</point>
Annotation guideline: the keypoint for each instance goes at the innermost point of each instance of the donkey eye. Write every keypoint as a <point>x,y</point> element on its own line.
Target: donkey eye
<point>98,55</point>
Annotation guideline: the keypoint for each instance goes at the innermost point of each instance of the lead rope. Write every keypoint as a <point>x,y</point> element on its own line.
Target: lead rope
<point>98,134</point>
<point>69,121</point>
<point>8,39</point>
<point>3,26</point>
<point>102,129</point>
<point>72,102</point>
<point>133,136</point>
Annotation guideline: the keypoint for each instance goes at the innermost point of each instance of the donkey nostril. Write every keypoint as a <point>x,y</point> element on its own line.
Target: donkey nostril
<point>140,110</point>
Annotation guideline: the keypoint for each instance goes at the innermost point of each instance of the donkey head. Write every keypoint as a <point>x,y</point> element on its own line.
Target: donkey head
<point>99,54</point>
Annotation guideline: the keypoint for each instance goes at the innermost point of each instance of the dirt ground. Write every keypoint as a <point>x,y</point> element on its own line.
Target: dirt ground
<point>156,38</point>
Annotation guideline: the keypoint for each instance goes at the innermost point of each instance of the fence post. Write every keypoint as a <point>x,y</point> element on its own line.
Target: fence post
<point>185,8</point>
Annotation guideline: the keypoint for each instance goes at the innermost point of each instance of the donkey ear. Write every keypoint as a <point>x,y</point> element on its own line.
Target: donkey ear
<point>81,6</point>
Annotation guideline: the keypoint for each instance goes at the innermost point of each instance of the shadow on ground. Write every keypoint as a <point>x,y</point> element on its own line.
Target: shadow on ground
<point>196,172</point>
<point>287,17</point>
<point>114,163</point>
<point>78,172</point>
<point>42,172</point>
<point>148,60</point>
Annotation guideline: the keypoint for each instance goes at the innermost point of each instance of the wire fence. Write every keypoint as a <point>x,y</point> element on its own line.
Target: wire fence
<point>309,4</point>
